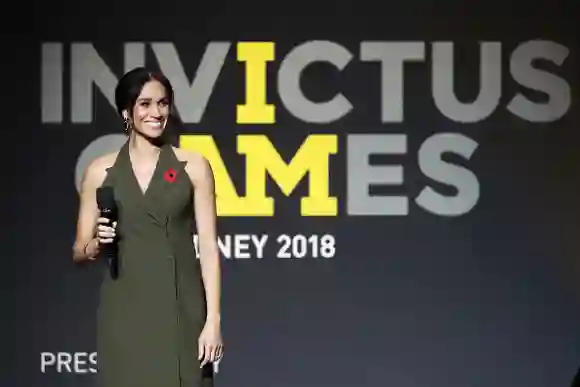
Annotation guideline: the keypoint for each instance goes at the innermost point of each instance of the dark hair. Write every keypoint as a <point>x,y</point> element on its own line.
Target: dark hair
<point>130,85</point>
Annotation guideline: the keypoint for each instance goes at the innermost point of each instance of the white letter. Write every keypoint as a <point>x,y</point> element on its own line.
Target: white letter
<point>134,55</point>
<point>191,100</point>
<point>78,361</point>
<point>289,82</point>
<point>64,359</point>
<point>88,68</point>
<point>46,359</point>
<point>93,358</point>
<point>526,75</point>
<point>392,56</point>
<point>260,243</point>
<point>464,180</point>
<point>361,175</point>
<point>241,246</point>
<point>444,85</point>
<point>51,75</point>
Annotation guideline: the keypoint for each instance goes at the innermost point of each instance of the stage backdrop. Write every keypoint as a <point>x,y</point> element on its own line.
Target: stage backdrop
<point>398,190</point>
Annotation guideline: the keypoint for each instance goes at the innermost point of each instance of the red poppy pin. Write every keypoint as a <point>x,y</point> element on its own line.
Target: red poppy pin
<point>170,175</point>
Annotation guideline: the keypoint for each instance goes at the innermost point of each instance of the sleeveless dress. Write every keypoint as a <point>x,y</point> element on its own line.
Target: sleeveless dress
<point>149,318</point>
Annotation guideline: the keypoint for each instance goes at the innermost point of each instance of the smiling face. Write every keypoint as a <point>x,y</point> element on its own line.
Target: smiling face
<point>151,110</point>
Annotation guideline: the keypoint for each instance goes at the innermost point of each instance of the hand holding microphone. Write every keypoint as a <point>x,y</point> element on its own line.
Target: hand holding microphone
<point>105,230</point>
<point>104,234</point>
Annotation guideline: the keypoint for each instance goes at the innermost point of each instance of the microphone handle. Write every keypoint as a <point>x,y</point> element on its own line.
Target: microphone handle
<point>112,259</point>
<point>109,250</point>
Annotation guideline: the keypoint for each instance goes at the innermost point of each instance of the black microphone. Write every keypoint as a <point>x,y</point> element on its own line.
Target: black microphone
<point>108,207</point>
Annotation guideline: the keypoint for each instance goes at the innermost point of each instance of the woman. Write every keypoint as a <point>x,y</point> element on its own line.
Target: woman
<point>158,323</point>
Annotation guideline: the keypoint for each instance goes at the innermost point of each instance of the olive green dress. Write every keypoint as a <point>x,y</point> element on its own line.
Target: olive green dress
<point>150,317</point>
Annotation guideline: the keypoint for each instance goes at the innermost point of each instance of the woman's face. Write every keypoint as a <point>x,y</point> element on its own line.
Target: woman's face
<point>151,110</point>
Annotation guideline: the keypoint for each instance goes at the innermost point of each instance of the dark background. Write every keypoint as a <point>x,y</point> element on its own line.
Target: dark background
<point>489,299</point>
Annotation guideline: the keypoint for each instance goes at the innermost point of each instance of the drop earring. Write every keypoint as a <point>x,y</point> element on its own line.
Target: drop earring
<point>127,125</point>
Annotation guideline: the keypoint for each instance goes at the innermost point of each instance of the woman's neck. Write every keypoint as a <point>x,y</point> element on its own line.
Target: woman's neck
<point>142,147</point>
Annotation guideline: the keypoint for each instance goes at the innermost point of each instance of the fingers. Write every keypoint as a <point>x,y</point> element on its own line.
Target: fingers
<point>219,352</point>
<point>209,353</point>
<point>103,221</point>
<point>106,233</point>
<point>201,353</point>
<point>206,355</point>
<point>212,354</point>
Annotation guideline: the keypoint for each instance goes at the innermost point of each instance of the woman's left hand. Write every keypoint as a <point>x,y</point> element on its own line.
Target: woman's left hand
<point>210,345</point>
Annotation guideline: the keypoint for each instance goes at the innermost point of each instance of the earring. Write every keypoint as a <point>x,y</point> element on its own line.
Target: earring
<point>126,124</point>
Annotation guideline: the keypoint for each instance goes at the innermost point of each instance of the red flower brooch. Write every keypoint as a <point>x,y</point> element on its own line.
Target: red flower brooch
<point>170,175</point>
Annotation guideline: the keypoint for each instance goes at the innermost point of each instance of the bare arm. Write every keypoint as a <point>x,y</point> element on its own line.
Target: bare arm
<point>205,212</point>
<point>86,244</point>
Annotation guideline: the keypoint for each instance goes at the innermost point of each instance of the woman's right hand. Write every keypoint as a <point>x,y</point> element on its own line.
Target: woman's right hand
<point>105,230</point>
<point>104,234</point>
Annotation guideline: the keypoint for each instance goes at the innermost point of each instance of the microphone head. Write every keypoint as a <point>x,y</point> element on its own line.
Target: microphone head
<point>106,197</point>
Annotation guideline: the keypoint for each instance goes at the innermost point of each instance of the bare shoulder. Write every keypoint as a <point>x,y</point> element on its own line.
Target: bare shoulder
<point>197,167</point>
<point>97,170</point>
